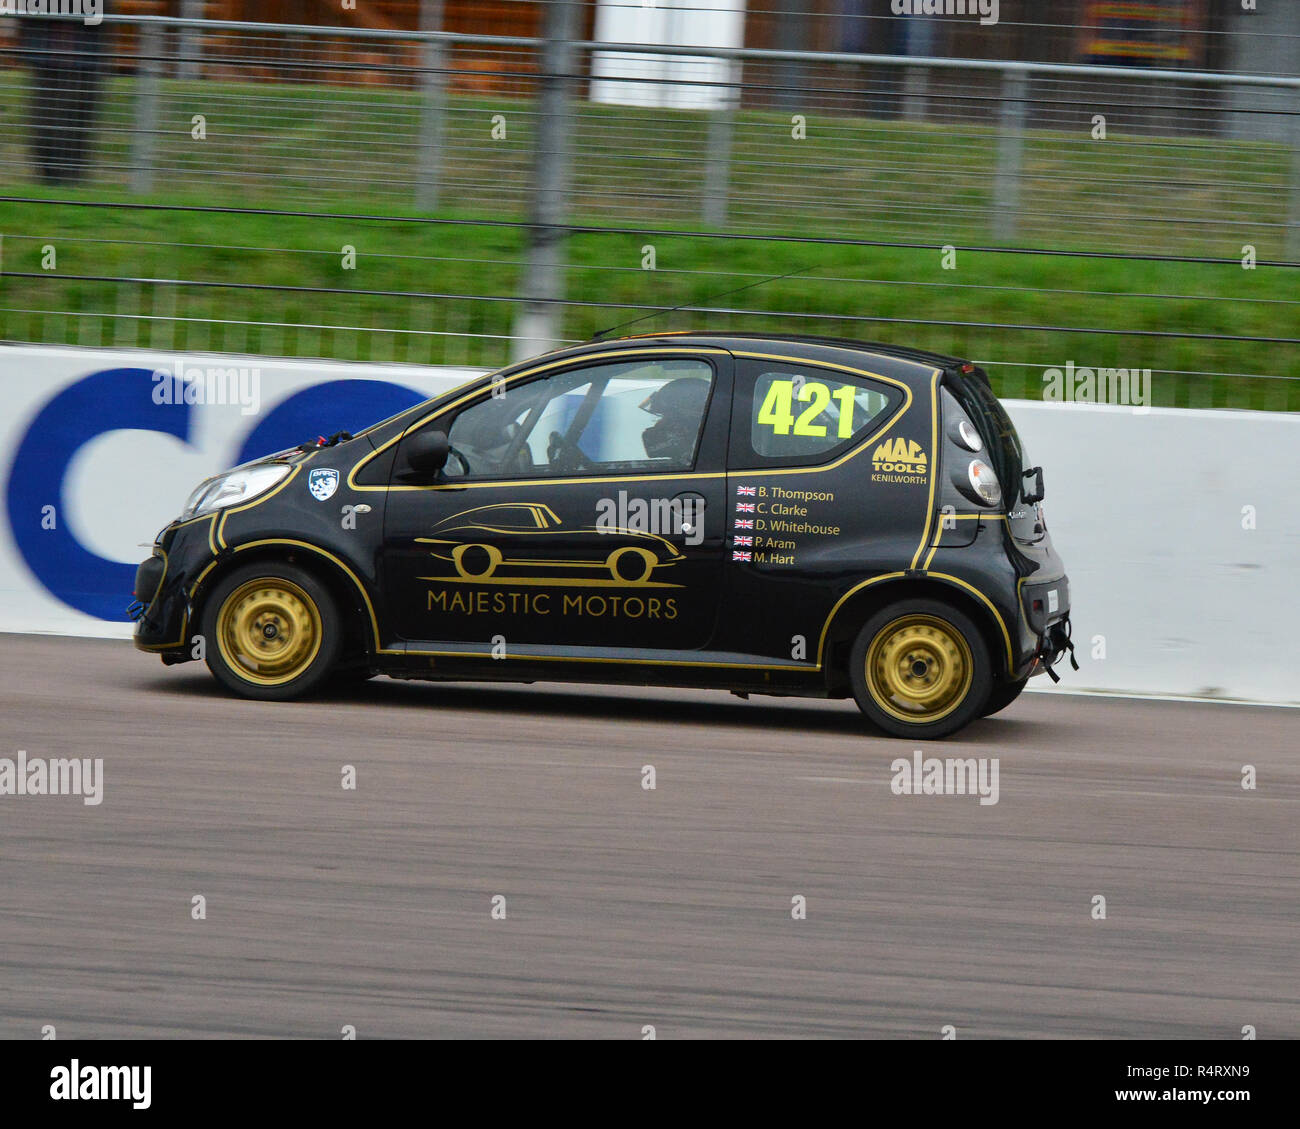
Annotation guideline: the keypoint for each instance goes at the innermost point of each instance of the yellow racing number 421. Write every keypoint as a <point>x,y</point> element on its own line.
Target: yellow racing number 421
<point>777,411</point>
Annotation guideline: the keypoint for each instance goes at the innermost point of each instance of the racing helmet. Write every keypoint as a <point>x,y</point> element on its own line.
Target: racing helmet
<point>678,408</point>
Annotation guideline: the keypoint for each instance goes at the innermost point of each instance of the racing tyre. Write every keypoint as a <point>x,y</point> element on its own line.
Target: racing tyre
<point>1004,693</point>
<point>272,632</point>
<point>341,679</point>
<point>920,669</point>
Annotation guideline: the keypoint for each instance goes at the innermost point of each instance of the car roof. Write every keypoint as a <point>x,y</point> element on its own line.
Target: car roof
<point>913,366</point>
<point>730,340</point>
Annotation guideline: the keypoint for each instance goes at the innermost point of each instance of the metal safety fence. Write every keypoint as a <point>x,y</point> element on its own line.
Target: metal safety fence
<point>201,181</point>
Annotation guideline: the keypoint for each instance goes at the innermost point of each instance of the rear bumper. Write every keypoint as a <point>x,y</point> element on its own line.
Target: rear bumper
<point>1045,606</point>
<point>1045,602</point>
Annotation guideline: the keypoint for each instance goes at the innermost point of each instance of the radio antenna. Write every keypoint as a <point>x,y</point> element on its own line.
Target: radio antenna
<point>725,294</point>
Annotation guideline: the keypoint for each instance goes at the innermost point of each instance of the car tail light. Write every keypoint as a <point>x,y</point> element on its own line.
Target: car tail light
<point>984,482</point>
<point>968,437</point>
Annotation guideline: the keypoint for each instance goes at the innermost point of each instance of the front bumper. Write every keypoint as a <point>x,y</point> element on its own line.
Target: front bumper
<point>164,585</point>
<point>161,610</point>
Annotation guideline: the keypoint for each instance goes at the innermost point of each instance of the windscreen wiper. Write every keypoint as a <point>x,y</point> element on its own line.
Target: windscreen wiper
<point>321,441</point>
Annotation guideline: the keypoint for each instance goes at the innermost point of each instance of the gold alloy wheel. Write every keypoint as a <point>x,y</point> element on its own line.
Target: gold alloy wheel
<point>269,631</point>
<point>919,669</point>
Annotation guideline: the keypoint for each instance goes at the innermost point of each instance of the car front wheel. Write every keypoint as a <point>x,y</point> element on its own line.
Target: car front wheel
<point>921,669</point>
<point>271,631</point>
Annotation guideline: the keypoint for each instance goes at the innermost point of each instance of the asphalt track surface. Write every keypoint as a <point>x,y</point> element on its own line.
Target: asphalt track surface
<point>627,907</point>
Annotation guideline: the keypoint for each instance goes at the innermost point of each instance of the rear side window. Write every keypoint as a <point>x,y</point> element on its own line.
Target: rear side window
<point>791,415</point>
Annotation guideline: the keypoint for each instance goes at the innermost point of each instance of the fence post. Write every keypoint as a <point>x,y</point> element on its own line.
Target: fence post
<point>145,123</point>
<point>717,167</point>
<point>538,324</point>
<point>188,65</point>
<point>793,20</point>
<point>1293,212</point>
<point>1010,156</point>
<point>916,93</point>
<point>433,110</point>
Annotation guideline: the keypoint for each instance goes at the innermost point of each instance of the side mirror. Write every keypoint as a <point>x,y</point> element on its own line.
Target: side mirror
<point>1036,494</point>
<point>426,453</point>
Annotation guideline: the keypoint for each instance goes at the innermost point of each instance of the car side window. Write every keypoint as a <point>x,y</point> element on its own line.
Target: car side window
<point>802,414</point>
<point>630,417</point>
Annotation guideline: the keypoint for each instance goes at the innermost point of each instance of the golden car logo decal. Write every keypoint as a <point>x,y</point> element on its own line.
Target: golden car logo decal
<point>471,541</point>
<point>900,460</point>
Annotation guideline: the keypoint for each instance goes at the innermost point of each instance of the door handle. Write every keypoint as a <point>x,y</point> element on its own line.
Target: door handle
<point>690,505</point>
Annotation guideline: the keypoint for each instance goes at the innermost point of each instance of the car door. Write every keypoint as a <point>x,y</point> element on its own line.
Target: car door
<point>580,507</point>
<point>807,515</point>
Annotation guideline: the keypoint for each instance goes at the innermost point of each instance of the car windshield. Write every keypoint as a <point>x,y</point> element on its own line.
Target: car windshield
<point>416,411</point>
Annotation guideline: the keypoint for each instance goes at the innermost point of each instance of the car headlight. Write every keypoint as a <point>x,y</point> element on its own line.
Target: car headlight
<point>232,487</point>
<point>984,482</point>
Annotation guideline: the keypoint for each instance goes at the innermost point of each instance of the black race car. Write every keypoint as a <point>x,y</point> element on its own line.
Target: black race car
<point>771,515</point>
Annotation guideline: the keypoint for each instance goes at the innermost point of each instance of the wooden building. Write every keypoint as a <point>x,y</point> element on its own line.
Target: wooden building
<point>1166,33</point>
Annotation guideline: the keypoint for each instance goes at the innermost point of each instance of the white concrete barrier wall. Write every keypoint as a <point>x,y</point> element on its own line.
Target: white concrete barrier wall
<point>1180,534</point>
<point>86,452</point>
<point>1177,527</point>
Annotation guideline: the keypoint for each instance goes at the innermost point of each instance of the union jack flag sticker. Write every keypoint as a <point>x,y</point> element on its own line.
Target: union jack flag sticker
<point>744,523</point>
<point>735,556</point>
<point>748,541</point>
<point>744,507</point>
<point>747,491</point>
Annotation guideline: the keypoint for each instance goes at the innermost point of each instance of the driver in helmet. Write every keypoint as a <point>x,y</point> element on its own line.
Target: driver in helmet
<point>678,408</point>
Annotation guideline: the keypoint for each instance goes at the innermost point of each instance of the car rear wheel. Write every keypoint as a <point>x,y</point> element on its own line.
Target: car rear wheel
<point>920,668</point>
<point>272,632</point>
<point>1004,693</point>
